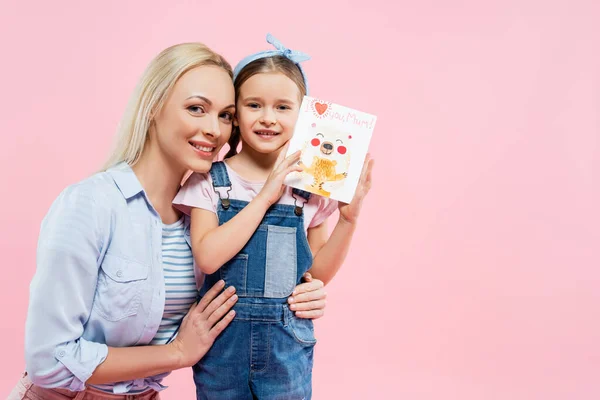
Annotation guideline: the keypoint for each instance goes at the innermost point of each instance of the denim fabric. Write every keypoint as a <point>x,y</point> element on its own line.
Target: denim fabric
<point>266,352</point>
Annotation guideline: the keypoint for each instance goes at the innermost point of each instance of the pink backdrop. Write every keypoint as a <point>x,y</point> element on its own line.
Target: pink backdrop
<point>475,270</point>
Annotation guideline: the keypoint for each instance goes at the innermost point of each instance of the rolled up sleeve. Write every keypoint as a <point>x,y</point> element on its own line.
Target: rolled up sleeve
<point>62,292</point>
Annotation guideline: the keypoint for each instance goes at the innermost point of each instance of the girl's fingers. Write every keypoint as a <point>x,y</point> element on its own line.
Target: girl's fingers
<point>293,168</point>
<point>291,160</point>
<point>282,154</point>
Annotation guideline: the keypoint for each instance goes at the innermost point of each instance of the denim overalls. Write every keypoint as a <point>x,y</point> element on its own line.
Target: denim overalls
<point>266,352</point>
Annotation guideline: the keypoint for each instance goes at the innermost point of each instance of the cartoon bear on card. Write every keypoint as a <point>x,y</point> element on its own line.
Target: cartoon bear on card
<point>325,159</point>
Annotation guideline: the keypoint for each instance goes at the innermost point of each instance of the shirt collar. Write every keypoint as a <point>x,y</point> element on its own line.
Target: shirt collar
<point>125,179</point>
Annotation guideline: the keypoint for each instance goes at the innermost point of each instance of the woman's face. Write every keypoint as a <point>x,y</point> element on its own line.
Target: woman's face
<point>196,119</point>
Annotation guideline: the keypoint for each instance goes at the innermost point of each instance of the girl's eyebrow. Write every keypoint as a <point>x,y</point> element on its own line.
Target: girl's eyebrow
<point>254,98</point>
<point>287,101</point>
<point>207,101</point>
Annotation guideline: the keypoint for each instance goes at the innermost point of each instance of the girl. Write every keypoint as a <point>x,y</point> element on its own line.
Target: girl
<point>114,275</point>
<point>260,236</point>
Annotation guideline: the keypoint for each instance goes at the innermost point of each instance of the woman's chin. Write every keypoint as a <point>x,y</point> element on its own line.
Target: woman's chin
<point>200,165</point>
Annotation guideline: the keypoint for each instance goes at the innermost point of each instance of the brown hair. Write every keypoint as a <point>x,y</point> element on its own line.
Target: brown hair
<point>279,64</point>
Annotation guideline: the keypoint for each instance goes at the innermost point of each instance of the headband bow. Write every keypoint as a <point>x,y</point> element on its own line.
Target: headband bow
<point>293,55</point>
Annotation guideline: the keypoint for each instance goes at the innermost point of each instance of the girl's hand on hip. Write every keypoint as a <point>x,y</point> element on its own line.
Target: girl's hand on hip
<point>203,323</point>
<point>308,298</point>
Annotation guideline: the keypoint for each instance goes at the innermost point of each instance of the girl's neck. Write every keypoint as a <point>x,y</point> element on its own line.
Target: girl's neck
<point>161,178</point>
<point>252,165</point>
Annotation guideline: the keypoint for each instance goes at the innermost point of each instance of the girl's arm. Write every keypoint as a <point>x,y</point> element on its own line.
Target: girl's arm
<point>330,254</point>
<point>214,245</point>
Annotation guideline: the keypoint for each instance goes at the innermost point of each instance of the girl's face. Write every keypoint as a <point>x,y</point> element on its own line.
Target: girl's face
<point>267,109</point>
<point>196,119</point>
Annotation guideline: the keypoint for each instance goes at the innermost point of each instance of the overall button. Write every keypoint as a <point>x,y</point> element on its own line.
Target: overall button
<point>119,273</point>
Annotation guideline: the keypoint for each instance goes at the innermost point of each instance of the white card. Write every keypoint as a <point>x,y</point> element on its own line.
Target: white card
<point>334,141</point>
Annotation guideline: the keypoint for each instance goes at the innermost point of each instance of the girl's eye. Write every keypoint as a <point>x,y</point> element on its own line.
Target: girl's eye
<point>315,142</point>
<point>227,116</point>
<point>342,149</point>
<point>253,105</point>
<point>284,107</point>
<point>196,109</point>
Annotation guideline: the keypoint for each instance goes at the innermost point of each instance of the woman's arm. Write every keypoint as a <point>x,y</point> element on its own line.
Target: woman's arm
<point>72,238</point>
<point>199,329</point>
<point>308,298</point>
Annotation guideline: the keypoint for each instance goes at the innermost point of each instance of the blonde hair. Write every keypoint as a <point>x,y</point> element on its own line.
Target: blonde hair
<point>151,92</point>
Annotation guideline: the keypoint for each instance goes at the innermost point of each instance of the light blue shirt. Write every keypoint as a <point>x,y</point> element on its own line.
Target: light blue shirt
<point>99,281</point>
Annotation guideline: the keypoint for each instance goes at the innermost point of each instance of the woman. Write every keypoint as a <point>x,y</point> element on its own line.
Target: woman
<point>108,313</point>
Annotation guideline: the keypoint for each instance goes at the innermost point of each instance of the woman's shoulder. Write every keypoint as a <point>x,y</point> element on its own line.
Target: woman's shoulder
<point>96,195</point>
<point>97,188</point>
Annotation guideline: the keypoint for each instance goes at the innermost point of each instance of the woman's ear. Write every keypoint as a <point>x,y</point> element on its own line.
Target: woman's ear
<point>235,121</point>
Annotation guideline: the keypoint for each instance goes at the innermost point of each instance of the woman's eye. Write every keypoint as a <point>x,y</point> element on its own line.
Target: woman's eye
<point>196,109</point>
<point>227,116</point>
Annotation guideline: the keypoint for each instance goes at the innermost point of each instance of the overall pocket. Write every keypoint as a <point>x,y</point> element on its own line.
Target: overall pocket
<point>234,273</point>
<point>302,330</point>
<point>281,261</point>
<point>120,283</point>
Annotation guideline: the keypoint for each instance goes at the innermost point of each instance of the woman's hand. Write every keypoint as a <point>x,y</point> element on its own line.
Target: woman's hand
<point>308,298</point>
<point>273,188</point>
<point>203,323</point>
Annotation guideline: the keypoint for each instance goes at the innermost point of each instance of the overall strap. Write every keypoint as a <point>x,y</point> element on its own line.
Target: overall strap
<point>220,179</point>
<point>305,195</point>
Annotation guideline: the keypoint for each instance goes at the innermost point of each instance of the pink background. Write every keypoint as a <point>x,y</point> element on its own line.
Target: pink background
<point>475,270</point>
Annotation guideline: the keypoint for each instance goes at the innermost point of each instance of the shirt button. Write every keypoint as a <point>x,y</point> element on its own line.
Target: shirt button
<point>61,353</point>
<point>119,273</point>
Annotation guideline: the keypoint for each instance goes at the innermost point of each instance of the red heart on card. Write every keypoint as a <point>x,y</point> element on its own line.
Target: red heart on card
<point>321,108</point>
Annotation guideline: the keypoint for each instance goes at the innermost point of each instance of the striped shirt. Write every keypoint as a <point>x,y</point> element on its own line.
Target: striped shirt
<point>180,284</point>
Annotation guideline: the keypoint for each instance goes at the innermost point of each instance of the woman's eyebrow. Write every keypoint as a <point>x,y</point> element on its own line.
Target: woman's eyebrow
<point>207,101</point>
<point>197,96</point>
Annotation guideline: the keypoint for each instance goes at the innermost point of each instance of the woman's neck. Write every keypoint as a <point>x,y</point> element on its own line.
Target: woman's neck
<point>252,165</point>
<point>161,178</point>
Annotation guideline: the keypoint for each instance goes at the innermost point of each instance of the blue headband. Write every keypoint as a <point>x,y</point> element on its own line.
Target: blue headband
<point>293,55</point>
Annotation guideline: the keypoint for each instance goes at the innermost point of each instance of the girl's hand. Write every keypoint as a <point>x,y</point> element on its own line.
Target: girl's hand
<point>203,323</point>
<point>350,212</point>
<point>308,299</point>
<point>273,188</point>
